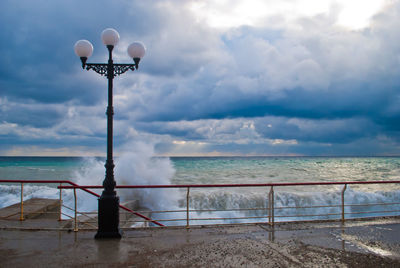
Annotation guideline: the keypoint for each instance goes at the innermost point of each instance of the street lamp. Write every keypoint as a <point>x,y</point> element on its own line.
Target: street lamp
<point>108,210</point>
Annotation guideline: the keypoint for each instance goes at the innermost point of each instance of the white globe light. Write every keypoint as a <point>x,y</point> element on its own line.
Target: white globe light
<point>83,48</point>
<point>136,50</point>
<point>110,37</point>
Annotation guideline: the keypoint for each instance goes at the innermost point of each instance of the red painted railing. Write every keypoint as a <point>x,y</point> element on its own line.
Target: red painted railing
<point>232,185</point>
<point>76,186</point>
<point>271,209</point>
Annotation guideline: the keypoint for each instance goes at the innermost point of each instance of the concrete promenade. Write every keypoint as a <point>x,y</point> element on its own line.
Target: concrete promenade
<point>373,243</point>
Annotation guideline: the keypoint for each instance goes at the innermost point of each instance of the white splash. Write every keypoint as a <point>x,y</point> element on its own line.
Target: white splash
<point>141,167</point>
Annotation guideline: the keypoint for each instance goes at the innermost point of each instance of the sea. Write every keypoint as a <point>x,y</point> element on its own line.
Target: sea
<point>208,204</point>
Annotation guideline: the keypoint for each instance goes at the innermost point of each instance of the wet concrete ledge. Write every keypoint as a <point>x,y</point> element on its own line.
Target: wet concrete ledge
<point>44,214</point>
<point>32,208</point>
<point>372,243</point>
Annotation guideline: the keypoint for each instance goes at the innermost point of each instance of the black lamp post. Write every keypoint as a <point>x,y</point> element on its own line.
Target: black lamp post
<point>108,210</point>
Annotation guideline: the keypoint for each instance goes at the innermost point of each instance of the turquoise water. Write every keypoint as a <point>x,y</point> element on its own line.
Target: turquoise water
<point>142,168</point>
<point>39,168</point>
<point>208,170</point>
<point>284,169</point>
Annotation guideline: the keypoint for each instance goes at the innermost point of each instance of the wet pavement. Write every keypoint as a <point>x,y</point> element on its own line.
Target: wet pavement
<point>372,243</point>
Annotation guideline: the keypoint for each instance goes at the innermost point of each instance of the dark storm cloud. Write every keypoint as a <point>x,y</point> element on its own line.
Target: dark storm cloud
<point>315,83</point>
<point>345,82</point>
<point>31,114</point>
<point>37,41</point>
<point>322,74</point>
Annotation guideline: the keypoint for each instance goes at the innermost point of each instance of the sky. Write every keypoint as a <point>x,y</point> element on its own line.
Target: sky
<point>238,77</point>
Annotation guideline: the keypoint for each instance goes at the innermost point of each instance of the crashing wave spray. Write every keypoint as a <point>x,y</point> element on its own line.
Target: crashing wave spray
<point>140,167</point>
<point>92,173</point>
<point>294,206</point>
<point>137,167</point>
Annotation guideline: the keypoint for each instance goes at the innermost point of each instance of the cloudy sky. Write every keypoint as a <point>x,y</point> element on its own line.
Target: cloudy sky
<point>237,77</point>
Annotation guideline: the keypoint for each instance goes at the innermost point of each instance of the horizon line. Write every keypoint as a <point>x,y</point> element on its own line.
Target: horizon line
<point>210,156</point>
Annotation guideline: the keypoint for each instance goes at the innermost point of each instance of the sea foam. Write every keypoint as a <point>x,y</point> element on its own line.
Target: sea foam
<point>139,166</point>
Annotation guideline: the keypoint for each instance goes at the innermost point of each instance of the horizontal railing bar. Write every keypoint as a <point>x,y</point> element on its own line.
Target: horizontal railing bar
<point>233,218</point>
<point>371,204</point>
<point>247,209</point>
<point>255,217</point>
<point>158,211</point>
<point>253,209</point>
<point>322,206</point>
<point>202,210</point>
<point>321,220</point>
<point>348,205</point>
<point>172,219</point>
<point>232,209</point>
<point>366,212</point>
<point>227,185</point>
<point>264,216</point>
<point>214,210</point>
<point>308,215</point>
<point>73,185</point>
<point>250,209</point>
<point>371,217</point>
<point>126,221</point>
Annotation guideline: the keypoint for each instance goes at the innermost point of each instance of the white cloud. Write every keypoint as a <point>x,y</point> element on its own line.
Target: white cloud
<point>207,90</point>
<point>353,14</point>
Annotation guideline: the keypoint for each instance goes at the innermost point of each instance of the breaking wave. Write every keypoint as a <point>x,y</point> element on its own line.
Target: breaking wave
<point>141,167</point>
<point>289,206</point>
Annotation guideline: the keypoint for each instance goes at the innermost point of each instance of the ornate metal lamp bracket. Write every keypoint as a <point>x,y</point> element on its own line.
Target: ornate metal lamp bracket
<point>102,68</point>
<point>122,68</point>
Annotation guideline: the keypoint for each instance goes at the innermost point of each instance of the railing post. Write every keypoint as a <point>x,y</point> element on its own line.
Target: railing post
<point>75,218</point>
<point>21,216</point>
<point>273,205</point>
<point>187,207</point>
<point>271,218</point>
<point>343,190</point>
<point>269,207</point>
<point>59,215</point>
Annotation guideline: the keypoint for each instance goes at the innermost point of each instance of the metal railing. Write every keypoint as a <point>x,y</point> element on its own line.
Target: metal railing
<point>270,211</point>
<point>75,211</point>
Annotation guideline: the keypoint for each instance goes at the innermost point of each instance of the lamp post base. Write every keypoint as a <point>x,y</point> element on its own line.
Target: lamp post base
<point>108,217</point>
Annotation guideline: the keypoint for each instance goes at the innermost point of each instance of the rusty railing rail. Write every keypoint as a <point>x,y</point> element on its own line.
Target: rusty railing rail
<point>271,202</point>
<point>268,218</point>
<point>73,186</point>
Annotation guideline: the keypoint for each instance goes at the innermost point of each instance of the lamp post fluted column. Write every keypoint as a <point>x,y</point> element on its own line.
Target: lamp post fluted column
<point>108,213</point>
<point>108,206</point>
<point>109,182</point>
